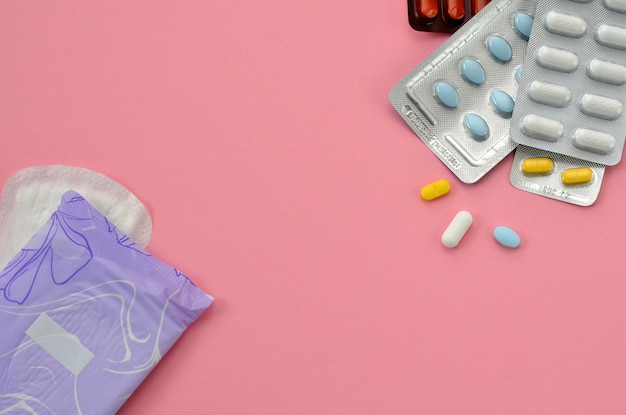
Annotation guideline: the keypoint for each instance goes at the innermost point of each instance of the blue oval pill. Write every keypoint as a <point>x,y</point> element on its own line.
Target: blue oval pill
<point>502,103</point>
<point>523,24</point>
<point>476,126</point>
<point>506,237</point>
<point>499,49</point>
<point>472,71</point>
<point>518,74</point>
<point>446,94</point>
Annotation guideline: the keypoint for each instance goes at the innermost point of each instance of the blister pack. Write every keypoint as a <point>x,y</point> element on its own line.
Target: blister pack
<point>572,91</point>
<point>459,101</point>
<point>442,15</point>
<point>556,176</point>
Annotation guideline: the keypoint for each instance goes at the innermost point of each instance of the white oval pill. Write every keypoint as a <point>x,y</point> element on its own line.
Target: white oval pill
<point>616,5</point>
<point>456,229</point>
<point>557,59</point>
<point>608,72</point>
<point>564,24</point>
<point>611,36</point>
<point>600,107</point>
<point>542,128</point>
<point>549,94</point>
<point>593,141</point>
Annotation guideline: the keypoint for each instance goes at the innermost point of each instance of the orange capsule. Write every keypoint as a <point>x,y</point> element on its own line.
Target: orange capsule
<point>455,9</point>
<point>478,5</point>
<point>426,9</point>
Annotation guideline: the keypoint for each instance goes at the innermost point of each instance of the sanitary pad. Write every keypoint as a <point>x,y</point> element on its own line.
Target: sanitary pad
<point>86,314</point>
<point>31,195</point>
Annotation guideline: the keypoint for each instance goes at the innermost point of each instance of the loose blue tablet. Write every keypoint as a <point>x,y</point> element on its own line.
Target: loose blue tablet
<point>506,237</point>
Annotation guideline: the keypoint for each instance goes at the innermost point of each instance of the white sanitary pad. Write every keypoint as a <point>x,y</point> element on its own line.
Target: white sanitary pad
<point>31,195</point>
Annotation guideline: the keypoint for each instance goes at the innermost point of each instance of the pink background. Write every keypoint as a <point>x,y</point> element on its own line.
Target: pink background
<point>279,177</point>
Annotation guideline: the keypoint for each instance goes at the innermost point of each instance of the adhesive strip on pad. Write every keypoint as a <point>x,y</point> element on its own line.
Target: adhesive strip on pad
<point>64,347</point>
<point>31,195</point>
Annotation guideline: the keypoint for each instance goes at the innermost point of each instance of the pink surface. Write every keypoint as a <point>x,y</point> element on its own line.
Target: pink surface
<point>282,181</point>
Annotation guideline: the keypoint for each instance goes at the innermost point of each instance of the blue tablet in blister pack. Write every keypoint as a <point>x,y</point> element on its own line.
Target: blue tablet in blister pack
<point>460,100</point>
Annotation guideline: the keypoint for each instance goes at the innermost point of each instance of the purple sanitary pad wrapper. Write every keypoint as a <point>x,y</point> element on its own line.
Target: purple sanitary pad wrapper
<point>85,315</point>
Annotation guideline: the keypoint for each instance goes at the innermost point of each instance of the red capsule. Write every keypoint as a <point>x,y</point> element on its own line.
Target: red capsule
<point>454,9</point>
<point>426,10</point>
<point>478,5</point>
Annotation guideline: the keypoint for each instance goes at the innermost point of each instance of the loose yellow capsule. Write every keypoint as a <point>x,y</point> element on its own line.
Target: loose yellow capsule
<point>577,176</point>
<point>435,190</point>
<point>537,165</point>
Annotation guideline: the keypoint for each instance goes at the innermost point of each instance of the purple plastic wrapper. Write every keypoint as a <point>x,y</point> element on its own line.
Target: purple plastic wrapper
<point>86,315</point>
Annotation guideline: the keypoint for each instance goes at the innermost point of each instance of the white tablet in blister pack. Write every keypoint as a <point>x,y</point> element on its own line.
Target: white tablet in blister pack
<point>573,89</point>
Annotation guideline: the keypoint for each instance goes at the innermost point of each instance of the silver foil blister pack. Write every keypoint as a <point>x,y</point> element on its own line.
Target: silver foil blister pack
<point>573,88</point>
<point>460,100</point>
<point>556,176</point>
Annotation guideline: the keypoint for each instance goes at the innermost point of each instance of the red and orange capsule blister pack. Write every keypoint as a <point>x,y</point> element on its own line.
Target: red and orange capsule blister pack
<point>442,15</point>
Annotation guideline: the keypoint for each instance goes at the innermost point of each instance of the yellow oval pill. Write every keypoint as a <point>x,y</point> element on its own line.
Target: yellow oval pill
<point>537,165</point>
<point>577,176</point>
<point>435,190</point>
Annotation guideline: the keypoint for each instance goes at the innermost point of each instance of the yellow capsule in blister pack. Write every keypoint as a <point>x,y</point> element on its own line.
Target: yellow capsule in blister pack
<point>435,190</point>
<point>537,165</point>
<point>577,176</point>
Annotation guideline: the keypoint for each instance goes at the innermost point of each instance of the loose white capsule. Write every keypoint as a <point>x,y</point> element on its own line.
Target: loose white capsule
<point>456,229</point>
